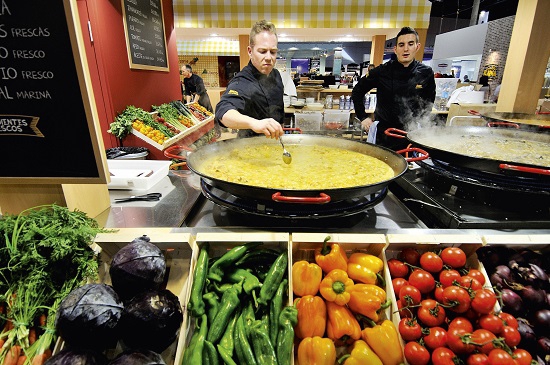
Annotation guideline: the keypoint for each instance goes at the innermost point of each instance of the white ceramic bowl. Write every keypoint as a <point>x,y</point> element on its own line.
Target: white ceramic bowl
<point>333,86</point>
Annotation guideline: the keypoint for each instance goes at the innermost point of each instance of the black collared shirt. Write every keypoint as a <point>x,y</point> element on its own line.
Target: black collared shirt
<point>254,94</point>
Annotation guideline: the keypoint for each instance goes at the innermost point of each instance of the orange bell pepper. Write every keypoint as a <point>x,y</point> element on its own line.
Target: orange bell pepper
<point>312,316</point>
<point>384,341</point>
<point>316,351</point>
<point>364,302</point>
<point>342,327</point>
<point>335,287</point>
<point>306,278</point>
<point>331,256</point>
<point>364,267</point>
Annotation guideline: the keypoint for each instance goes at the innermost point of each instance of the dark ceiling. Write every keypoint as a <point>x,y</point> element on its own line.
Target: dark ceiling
<point>450,8</point>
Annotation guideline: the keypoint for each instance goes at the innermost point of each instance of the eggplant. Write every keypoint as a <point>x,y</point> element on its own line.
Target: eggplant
<point>541,320</point>
<point>77,357</point>
<point>533,297</point>
<point>544,345</point>
<point>511,302</point>
<point>502,277</point>
<point>528,336</point>
<point>138,357</point>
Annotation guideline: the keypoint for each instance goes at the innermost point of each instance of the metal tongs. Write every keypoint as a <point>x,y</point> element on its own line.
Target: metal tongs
<point>147,197</point>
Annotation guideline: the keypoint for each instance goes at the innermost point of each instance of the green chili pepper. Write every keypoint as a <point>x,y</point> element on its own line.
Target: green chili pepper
<point>212,305</point>
<point>263,348</point>
<point>275,308</point>
<point>228,341</point>
<point>228,259</point>
<point>248,317</point>
<point>285,338</point>
<point>273,279</point>
<point>193,353</point>
<point>230,301</point>
<point>257,257</point>
<point>226,355</point>
<point>243,345</point>
<point>210,354</point>
<point>196,304</point>
<point>250,281</point>
<point>219,288</point>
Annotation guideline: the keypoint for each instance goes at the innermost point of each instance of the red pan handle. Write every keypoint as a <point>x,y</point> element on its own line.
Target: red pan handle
<point>503,124</point>
<point>396,133</point>
<point>474,112</point>
<point>321,199</point>
<point>423,154</point>
<point>169,152</point>
<point>530,170</point>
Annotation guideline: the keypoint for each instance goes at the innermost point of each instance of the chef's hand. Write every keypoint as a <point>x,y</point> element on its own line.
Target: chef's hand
<point>366,123</point>
<point>269,127</point>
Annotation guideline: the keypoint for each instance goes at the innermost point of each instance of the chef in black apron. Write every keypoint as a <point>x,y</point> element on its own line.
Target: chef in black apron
<point>193,88</point>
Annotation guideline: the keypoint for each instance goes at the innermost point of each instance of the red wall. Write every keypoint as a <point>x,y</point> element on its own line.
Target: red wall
<point>115,84</point>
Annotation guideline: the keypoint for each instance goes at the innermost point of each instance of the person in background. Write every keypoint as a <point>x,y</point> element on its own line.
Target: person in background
<point>253,100</point>
<point>484,86</point>
<point>494,96</point>
<point>405,91</point>
<point>466,79</point>
<point>193,89</point>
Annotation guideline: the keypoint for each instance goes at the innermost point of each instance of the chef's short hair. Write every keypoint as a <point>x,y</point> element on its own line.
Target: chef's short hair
<point>408,30</point>
<point>261,26</point>
<point>189,68</point>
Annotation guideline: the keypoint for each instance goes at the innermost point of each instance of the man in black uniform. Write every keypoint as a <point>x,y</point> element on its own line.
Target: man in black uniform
<point>405,90</point>
<point>253,101</point>
<point>193,88</point>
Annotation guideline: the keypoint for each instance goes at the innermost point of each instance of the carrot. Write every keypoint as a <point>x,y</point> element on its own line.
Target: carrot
<point>41,358</point>
<point>8,326</point>
<point>42,320</point>
<point>32,335</point>
<point>22,360</point>
<point>12,355</point>
<point>2,341</point>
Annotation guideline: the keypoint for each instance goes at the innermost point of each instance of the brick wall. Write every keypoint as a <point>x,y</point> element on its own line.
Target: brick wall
<point>495,50</point>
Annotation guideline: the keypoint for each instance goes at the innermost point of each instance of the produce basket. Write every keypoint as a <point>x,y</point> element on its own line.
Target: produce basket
<point>179,253</point>
<point>219,243</point>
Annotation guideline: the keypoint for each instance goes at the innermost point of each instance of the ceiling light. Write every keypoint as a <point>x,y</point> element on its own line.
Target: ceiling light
<point>316,49</point>
<point>293,49</point>
<point>349,35</point>
<point>282,35</point>
<point>213,35</point>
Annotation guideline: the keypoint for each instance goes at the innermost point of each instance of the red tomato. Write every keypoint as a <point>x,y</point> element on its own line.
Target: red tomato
<point>423,280</point>
<point>431,313</point>
<point>522,357</point>
<point>491,322</point>
<point>409,329</point>
<point>438,294</point>
<point>453,257</point>
<point>410,256</point>
<point>397,283</point>
<point>437,337</point>
<point>484,301</point>
<point>405,312</point>
<point>478,275</point>
<point>446,277</point>
<point>483,340</point>
<point>456,299</point>
<point>455,342</point>
<point>461,323</point>
<point>509,320</point>
<point>416,354</point>
<point>443,356</point>
<point>410,295</point>
<point>431,262</point>
<point>500,357</point>
<point>469,283</point>
<point>397,268</point>
<point>477,359</point>
<point>512,337</point>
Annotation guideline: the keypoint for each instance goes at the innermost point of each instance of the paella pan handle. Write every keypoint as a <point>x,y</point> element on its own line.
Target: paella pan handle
<point>423,154</point>
<point>530,170</point>
<point>394,132</point>
<point>173,152</point>
<point>321,199</point>
<point>474,112</point>
<point>503,124</point>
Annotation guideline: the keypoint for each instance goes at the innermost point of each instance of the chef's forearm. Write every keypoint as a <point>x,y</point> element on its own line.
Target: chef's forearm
<point>235,120</point>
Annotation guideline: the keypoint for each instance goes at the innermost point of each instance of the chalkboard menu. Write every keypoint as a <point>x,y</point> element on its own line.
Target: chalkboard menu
<point>145,39</point>
<point>47,134</point>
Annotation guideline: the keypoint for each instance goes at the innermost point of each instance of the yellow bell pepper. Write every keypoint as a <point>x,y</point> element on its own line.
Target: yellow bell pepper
<point>384,341</point>
<point>372,289</point>
<point>360,354</point>
<point>316,351</point>
<point>306,278</point>
<point>335,287</point>
<point>331,256</point>
<point>363,302</point>
<point>342,326</point>
<point>364,267</point>
<point>312,316</point>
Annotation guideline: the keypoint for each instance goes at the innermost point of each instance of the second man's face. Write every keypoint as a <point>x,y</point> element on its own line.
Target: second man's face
<point>264,53</point>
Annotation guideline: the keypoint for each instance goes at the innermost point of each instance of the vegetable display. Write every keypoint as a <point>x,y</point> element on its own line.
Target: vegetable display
<point>244,290</point>
<point>44,254</point>
<point>343,314</point>
<point>449,312</point>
